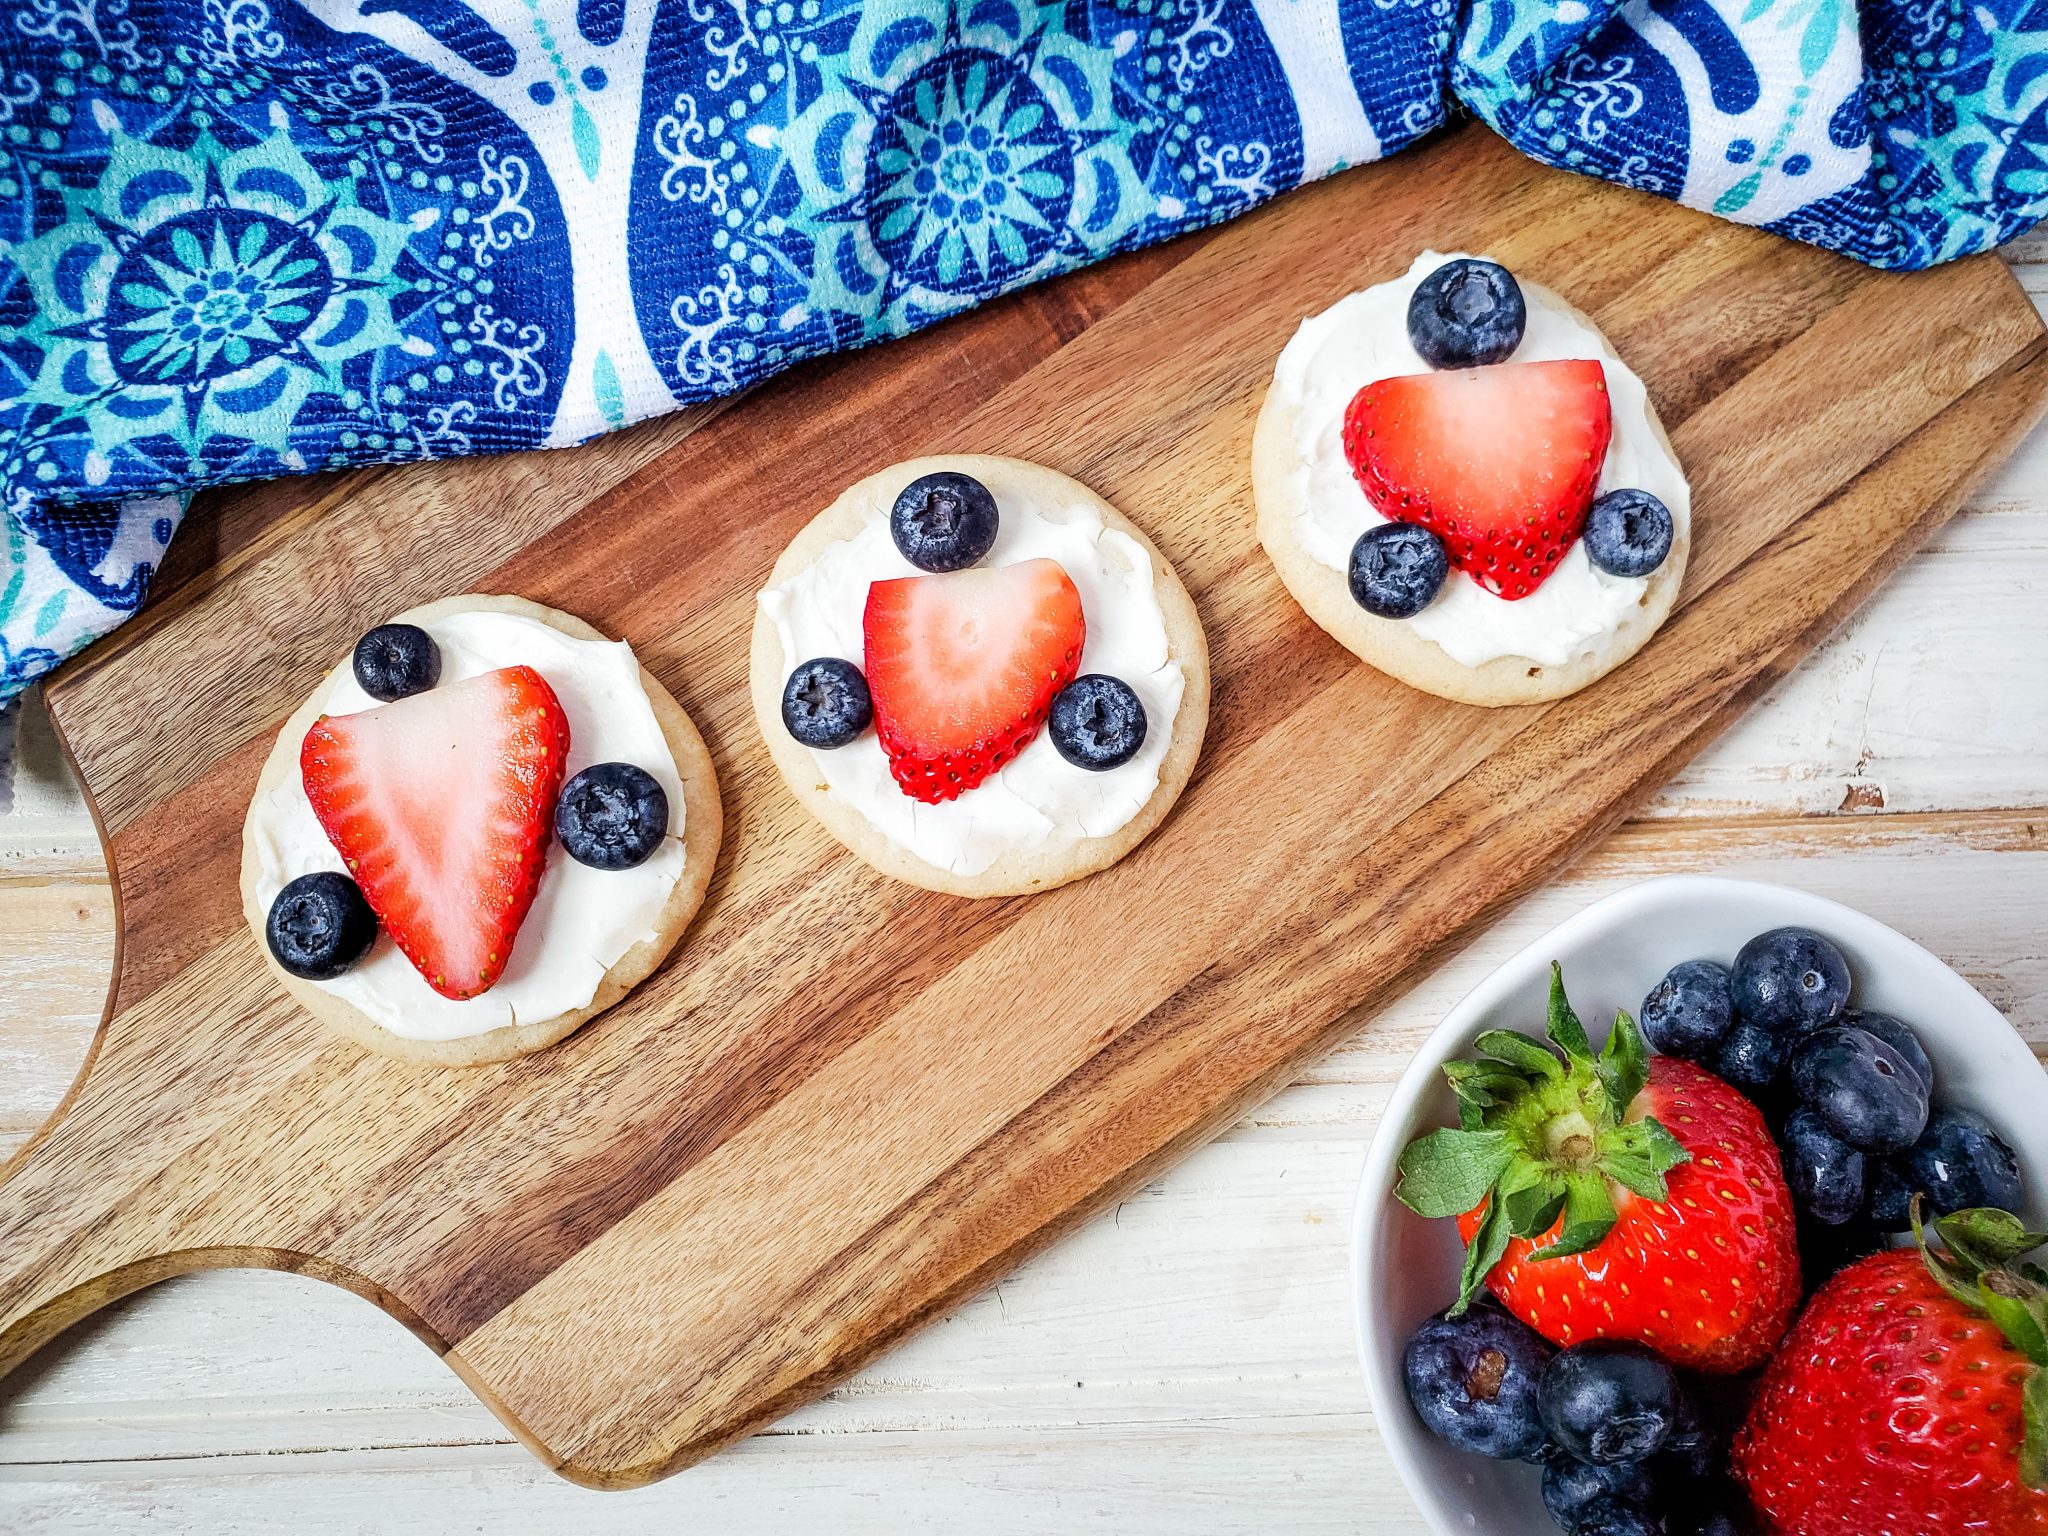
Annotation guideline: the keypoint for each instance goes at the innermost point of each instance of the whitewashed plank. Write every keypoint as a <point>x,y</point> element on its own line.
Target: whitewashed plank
<point>1307,1476</point>
<point>43,819</point>
<point>56,956</point>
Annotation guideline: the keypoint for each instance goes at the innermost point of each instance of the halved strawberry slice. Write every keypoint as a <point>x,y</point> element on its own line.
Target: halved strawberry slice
<point>962,669</point>
<point>1500,463</point>
<point>441,804</point>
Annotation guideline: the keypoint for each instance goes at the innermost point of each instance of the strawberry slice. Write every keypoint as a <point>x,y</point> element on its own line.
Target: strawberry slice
<point>962,669</point>
<point>440,804</point>
<point>1500,463</point>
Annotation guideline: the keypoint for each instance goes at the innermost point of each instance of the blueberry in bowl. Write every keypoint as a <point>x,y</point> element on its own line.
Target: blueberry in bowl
<point>1961,1162</point>
<point>1829,1178</point>
<point>1868,1094</point>
<point>1690,1011</point>
<point>1611,1402</point>
<point>1751,1057</point>
<point>1790,980</point>
<point>1474,1380</point>
<point>1571,1487</point>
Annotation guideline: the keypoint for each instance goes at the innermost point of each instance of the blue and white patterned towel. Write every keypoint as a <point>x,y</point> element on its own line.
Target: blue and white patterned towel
<point>243,238</point>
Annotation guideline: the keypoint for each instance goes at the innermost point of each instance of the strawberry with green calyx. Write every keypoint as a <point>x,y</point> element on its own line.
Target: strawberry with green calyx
<point>1613,1195</point>
<point>1912,1396</point>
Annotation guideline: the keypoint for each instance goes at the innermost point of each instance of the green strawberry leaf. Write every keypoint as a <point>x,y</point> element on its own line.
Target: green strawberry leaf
<point>1532,1211</point>
<point>1448,1172</point>
<point>2034,1448</point>
<point>1589,1215</point>
<point>1563,1025</point>
<point>2020,1308</point>
<point>1542,1141</point>
<point>1987,1238</point>
<point>1953,1276</point>
<point>1482,1085</point>
<point>1638,1155</point>
<point>1522,1052</point>
<point>1531,1195</point>
<point>1481,1254</point>
<point>1624,1065</point>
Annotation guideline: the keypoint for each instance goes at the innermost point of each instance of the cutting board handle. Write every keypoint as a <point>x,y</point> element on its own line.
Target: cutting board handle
<point>63,1253</point>
<point>85,1221</point>
<point>152,1167</point>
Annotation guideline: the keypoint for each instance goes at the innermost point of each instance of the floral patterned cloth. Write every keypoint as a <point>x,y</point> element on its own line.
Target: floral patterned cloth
<point>244,238</point>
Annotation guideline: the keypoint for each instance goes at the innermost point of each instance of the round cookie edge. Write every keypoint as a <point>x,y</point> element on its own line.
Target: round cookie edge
<point>1014,874</point>
<point>1391,645</point>
<point>703,831</point>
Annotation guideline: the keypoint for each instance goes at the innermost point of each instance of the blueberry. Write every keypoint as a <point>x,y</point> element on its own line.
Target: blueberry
<point>1751,1057</point>
<point>944,522</point>
<point>1097,722</point>
<point>1865,1091</point>
<point>1608,1516</point>
<point>1467,313</point>
<point>1826,1173</point>
<point>1689,1011</point>
<point>1896,1034</point>
<point>1889,1208</point>
<point>1960,1162</point>
<point>1823,1250</point>
<point>1473,1381</point>
<point>1569,1485</point>
<point>1397,569</point>
<point>825,703</point>
<point>1694,1455</point>
<point>1719,1512</point>
<point>1628,533</point>
<point>1791,980</point>
<point>394,660</point>
<point>1611,1401</point>
<point>319,926</point>
<point>612,816</point>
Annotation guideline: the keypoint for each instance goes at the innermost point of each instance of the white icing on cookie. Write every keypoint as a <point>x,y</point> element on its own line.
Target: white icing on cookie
<point>582,919</point>
<point>1040,802</point>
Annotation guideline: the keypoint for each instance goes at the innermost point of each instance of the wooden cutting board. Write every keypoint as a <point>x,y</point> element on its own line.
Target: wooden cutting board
<point>844,1105</point>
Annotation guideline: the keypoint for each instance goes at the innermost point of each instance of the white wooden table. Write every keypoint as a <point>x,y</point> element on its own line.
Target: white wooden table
<point>1182,1365</point>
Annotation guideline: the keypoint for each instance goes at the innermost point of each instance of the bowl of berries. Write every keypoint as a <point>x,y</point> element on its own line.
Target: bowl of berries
<point>1754,1248</point>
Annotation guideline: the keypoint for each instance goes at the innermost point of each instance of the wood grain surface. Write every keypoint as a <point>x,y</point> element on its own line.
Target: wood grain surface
<point>846,1105</point>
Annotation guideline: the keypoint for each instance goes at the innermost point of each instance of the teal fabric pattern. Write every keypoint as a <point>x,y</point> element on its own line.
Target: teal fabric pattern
<point>250,238</point>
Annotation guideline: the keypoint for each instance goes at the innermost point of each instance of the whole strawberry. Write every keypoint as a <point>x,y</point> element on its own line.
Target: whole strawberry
<point>1910,1399</point>
<point>1615,1196</point>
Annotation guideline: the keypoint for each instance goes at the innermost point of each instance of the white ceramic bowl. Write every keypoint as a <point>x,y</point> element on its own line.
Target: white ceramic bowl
<point>1404,1268</point>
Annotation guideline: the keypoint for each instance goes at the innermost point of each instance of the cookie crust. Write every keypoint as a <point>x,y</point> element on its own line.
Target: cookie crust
<point>1392,645</point>
<point>703,818</point>
<point>1018,872</point>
